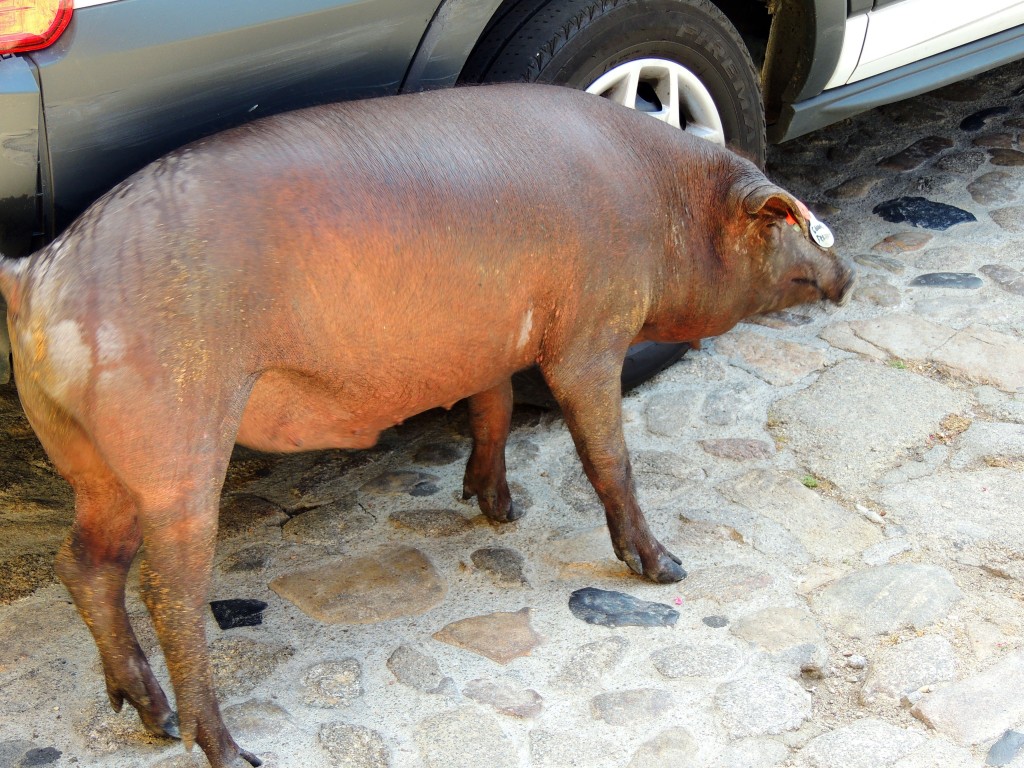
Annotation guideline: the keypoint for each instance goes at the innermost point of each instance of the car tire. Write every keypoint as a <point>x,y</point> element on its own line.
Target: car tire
<point>576,43</point>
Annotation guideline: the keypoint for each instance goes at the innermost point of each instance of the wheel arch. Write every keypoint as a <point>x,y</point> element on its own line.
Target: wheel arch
<point>804,44</point>
<point>795,43</point>
<point>450,37</point>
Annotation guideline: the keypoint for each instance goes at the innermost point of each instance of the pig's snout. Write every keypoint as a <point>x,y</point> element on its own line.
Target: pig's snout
<point>840,288</point>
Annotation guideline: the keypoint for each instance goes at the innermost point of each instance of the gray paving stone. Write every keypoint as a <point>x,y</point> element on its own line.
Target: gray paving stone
<point>778,362</point>
<point>431,522</point>
<point>260,723</point>
<point>672,748</point>
<point>467,737</point>
<point>994,188</point>
<point>1010,218</point>
<point>979,708</point>
<point>240,664</point>
<point>938,753</point>
<point>418,670</point>
<point>397,581</point>
<point>332,524</point>
<point>859,420</point>
<point>353,746</point>
<point>1009,279</point>
<point>789,636</point>
<point>989,444</point>
<point>332,683</point>
<point>825,529</point>
<point>882,552</point>
<point>591,662</point>
<point>732,404</point>
<point>762,703</point>
<point>907,667</point>
<point>867,743</point>
<point>503,565</point>
<point>751,753</point>
<point>704,658</point>
<point>571,749</point>
<point>888,598</point>
<point>669,415</point>
<point>738,449</point>
<point>875,289</point>
<point>505,697</point>
<point>725,584</point>
<point>639,706</point>
<point>965,507</point>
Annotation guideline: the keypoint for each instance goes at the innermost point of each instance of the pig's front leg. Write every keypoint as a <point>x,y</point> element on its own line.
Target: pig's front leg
<point>490,418</point>
<point>591,400</point>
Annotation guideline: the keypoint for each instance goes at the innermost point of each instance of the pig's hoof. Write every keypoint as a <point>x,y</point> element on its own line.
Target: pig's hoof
<point>166,727</point>
<point>664,569</point>
<point>508,514</point>
<point>496,505</point>
<point>667,570</point>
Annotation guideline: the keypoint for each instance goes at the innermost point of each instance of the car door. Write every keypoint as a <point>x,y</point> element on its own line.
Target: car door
<point>882,35</point>
<point>131,79</point>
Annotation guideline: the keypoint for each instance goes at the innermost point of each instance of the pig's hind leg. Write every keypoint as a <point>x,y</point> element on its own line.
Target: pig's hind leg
<point>94,559</point>
<point>490,419</point>
<point>588,389</point>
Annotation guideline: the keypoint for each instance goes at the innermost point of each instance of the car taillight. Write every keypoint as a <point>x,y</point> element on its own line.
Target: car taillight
<point>28,25</point>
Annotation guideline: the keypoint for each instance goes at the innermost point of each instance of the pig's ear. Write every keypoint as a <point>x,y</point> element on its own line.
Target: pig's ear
<point>769,200</point>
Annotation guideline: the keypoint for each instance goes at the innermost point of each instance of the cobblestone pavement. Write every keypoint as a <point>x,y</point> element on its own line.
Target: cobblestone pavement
<point>844,487</point>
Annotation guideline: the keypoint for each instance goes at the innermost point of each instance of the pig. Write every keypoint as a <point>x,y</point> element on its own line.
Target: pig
<point>313,278</point>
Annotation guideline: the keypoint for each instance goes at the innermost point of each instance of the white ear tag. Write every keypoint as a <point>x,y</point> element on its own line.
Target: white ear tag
<point>820,233</point>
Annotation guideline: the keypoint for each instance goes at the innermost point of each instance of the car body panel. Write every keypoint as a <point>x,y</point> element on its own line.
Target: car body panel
<point>902,83</point>
<point>131,80</point>
<point>454,31</point>
<point>912,30</point>
<point>19,154</point>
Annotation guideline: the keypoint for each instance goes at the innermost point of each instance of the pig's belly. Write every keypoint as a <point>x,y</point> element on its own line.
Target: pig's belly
<point>289,411</point>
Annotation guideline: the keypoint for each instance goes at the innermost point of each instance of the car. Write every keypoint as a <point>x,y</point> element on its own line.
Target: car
<point>92,90</point>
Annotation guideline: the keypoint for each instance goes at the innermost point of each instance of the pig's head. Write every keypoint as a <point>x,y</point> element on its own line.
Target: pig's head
<point>787,250</point>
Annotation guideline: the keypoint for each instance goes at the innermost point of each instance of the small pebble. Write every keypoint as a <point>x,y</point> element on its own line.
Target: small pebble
<point>716,622</point>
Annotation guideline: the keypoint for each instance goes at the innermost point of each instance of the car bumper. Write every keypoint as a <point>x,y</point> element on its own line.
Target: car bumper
<point>19,156</point>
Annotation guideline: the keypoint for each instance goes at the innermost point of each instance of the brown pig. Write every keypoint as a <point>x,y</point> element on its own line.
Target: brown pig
<point>313,278</point>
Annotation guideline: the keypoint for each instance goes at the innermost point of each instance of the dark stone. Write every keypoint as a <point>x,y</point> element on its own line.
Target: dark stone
<point>505,565</point>
<point>919,212</point>
<point>916,154</point>
<point>49,755</point>
<point>615,609</point>
<point>1006,157</point>
<point>978,120</point>
<point>1005,750</point>
<point>437,454</point>
<point>715,622</point>
<point>238,613</point>
<point>947,280</point>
